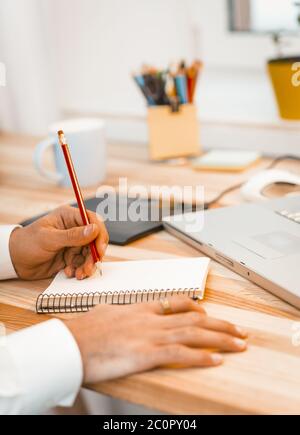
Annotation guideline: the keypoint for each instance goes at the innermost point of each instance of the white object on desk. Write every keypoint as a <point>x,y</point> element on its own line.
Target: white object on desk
<point>126,282</point>
<point>253,189</point>
<point>86,139</point>
<point>226,160</point>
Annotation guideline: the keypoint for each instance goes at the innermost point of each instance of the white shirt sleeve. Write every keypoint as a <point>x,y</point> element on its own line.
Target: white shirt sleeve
<point>7,270</point>
<point>41,366</point>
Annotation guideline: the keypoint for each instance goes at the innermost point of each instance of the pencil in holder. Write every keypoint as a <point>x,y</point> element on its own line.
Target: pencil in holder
<point>173,131</point>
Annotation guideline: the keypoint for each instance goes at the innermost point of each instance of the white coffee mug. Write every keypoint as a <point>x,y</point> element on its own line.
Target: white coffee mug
<point>86,140</point>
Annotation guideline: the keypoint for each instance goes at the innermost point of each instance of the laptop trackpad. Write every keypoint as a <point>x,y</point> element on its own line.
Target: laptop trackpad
<point>272,245</point>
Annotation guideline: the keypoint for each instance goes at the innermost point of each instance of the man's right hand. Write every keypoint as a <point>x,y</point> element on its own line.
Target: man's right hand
<point>117,341</point>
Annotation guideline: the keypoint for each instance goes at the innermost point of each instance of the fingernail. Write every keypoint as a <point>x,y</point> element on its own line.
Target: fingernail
<point>69,272</point>
<point>88,230</point>
<point>241,332</point>
<point>216,358</point>
<point>81,276</point>
<point>241,344</point>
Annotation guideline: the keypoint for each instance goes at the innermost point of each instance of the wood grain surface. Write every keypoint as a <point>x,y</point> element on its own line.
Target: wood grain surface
<point>265,379</point>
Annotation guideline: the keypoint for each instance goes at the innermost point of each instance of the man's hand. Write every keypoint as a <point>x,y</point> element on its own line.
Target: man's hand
<point>55,242</point>
<point>117,341</point>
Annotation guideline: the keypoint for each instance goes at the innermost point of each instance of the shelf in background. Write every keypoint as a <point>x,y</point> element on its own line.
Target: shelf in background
<point>236,109</point>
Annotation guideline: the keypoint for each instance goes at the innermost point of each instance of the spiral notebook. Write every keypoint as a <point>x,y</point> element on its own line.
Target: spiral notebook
<point>126,282</point>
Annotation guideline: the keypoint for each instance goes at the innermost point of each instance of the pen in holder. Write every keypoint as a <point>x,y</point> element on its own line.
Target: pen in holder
<point>172,115</point>
<point>173,132</point>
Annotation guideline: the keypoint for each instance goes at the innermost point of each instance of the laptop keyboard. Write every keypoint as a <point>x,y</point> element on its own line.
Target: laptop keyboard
<point>292,216</point>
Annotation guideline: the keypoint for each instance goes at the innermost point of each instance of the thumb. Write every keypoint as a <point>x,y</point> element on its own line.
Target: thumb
<point>76,236</point>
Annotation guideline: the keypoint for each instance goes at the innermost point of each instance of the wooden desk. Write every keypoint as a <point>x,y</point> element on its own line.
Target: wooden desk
<point>265,379</point>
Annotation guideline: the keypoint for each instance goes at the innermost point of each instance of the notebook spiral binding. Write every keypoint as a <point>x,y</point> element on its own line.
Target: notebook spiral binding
<point>77,303</point>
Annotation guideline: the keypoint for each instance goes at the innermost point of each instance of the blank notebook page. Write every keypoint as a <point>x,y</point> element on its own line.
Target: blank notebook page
<point>184,273</point>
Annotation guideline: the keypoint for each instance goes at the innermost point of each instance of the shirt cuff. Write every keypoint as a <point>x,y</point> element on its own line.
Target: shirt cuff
<point>49,366</point>
<point>7,270</point>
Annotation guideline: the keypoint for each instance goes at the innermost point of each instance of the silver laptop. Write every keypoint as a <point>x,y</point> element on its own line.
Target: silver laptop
<point>260,241</point>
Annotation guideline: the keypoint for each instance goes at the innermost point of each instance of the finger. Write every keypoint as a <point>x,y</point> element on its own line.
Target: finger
<point>178,304</point>
<point>79,274</point>
<point>68,217</point>
<point>78,261</point>
<point>85,251</point>
<point>76,236</point>
<point>69,271</point>
<point>103,237</point>
<point>70,253</point>
<point>203,321</point>
<point>197,337</point>
<point>223,326</point>
<point>181,320</point>
<point>87,269</point>
<point>182,355</point>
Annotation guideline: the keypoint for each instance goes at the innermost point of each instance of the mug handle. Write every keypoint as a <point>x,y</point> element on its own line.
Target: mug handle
<point>38,160</point>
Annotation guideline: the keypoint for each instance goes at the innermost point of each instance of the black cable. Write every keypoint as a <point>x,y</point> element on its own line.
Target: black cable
<point>274,163</point>
<point>207,205</point>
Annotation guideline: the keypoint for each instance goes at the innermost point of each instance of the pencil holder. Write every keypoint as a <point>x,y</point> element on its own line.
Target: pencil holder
<point>173,132</point>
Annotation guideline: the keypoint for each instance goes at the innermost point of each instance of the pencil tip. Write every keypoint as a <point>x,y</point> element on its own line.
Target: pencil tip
<point>99,268</point>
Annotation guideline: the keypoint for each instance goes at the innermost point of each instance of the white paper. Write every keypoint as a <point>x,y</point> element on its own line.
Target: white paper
<point>178,274</point>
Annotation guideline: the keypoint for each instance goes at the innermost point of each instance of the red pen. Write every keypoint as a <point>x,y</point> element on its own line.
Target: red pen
<point>78,194</point>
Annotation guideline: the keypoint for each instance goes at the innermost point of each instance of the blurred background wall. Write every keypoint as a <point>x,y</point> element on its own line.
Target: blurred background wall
<point>76,57</point>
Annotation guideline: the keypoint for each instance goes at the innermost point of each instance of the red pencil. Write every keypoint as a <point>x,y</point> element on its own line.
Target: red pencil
<point>78,193</point>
